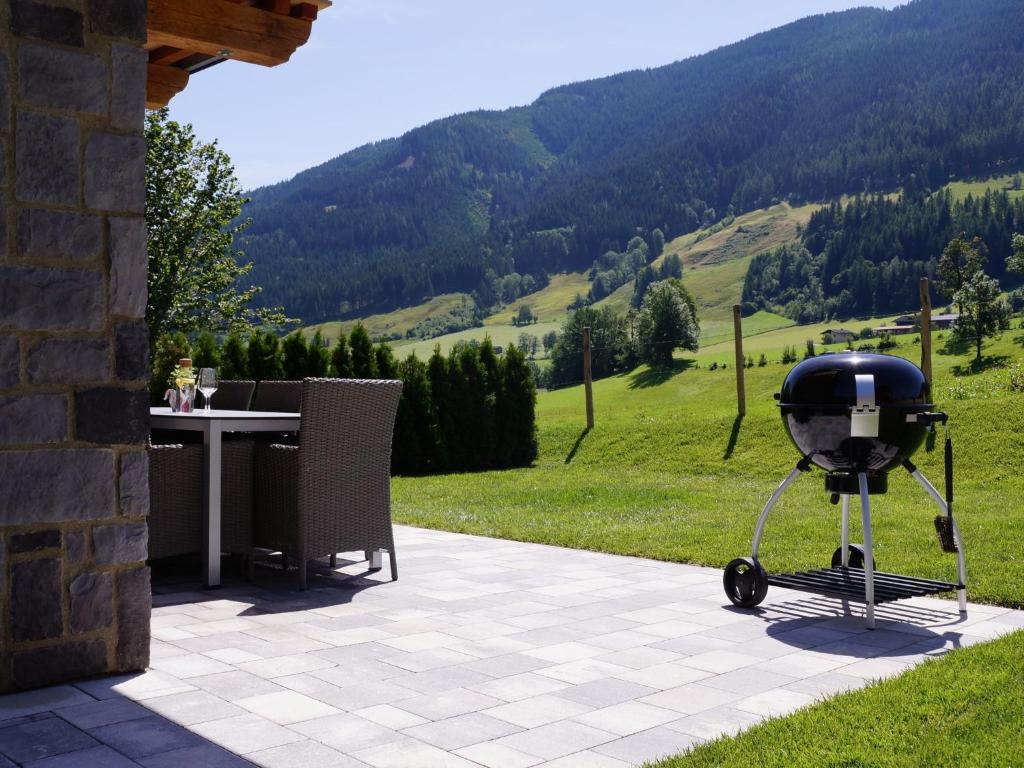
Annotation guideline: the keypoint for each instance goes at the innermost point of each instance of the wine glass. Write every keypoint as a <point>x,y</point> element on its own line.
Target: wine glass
<point>207,385</point>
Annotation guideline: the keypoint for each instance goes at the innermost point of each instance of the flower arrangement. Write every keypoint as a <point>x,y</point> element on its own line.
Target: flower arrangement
<point>183,387</point>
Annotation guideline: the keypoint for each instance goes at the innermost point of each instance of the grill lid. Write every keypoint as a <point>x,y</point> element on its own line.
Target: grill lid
<point>840,381</point>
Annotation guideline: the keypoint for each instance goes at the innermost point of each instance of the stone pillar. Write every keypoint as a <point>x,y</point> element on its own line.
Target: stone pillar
<point>74,587</point>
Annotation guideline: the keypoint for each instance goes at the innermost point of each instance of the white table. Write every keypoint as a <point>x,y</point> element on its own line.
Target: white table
<point>213,425</point>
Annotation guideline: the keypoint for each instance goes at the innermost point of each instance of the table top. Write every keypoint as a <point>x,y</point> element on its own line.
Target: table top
<point>229,421</point>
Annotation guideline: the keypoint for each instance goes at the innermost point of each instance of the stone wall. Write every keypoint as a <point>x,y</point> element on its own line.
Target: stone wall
<point>74,587</point>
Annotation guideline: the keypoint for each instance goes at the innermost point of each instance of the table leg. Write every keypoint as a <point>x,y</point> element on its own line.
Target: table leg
<point>211,504</point>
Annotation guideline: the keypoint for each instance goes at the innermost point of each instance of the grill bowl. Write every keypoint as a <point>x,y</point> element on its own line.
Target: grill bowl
<point>819,396</point>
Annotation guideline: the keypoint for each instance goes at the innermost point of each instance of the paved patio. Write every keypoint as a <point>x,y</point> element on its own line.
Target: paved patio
<point>485,653</point>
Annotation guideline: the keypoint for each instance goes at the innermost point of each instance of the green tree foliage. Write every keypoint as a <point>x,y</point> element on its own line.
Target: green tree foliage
<point>959,262</point>
<point>341,358</point>
<point>264,356</point>
<point>295,352</point>
<point>205,353</point>
<point>234,360</point>
<point>516,411</point>
<point>364,362</point>
<point>671,267</point>
<point>524,315</point>
<point>1015,261</point>
<point>867,257</point>
<point>444,407</point>
<point>549,340</point>
<point>809,350</point>
<point>169,349</point>
<point>861,101</point>
<point>318,357</point>
<point>657,243</point>
<point>193,205</point>
<point>615,269</point>
<point>384,363</point>
<point>413,449</point>
<point>609,342</point>
<point>982,310</point>
<point>667,322</point>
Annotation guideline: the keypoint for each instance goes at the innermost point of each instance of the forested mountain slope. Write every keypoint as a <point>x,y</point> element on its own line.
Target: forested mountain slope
<point>848,102</point>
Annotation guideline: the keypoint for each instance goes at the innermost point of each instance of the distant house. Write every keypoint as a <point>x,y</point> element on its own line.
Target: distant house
<point>945,320</point>
<point>905,320</point>
<point>838,336</point>
<point>895,330</point>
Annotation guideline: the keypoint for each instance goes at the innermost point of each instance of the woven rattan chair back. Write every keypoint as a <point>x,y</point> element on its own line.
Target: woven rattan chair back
<point>233,395</point>
<point>281,396</point>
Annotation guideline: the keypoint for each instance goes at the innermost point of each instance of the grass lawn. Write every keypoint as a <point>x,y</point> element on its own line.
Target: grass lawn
<point>668,472</point>
<point>963,710</point>
<point>399,321</point>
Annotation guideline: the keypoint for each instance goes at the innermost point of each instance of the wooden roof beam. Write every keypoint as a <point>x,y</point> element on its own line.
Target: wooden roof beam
<point>162,84</point>
<point>219,27</point>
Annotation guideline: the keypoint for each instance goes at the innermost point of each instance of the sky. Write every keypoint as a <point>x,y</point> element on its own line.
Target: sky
<point>374,69</point>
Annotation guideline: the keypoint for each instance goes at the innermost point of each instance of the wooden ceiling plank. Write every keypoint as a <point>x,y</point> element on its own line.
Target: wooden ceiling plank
<point>306,11</point>
<point>167,54</point>
<point>162,84</point>
<point>212,26</point>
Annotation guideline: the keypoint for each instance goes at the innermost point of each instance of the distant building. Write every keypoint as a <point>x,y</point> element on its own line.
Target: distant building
<point>905,320</point>
<point>895,330</point>
<point>838,336</point>
<point>945,320</point>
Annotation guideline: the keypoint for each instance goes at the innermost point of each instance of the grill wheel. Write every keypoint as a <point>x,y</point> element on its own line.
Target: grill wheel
<point>745,582</point>
<point>856,557</point>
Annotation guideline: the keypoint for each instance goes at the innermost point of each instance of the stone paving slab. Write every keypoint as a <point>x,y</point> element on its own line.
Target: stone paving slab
<point>486,653</point>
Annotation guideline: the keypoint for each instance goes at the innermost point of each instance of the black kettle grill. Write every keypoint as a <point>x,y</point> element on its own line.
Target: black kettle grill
<point>856,416</point>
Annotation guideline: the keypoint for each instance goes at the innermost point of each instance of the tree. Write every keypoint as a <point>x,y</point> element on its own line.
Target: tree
<point>549,339</point>
<point>193,205</point>
<point>527,344</point>
<point>982,310</point>
<point>516,411</point>
<point>364,363</point>
<point>205,353</point>
<point>960,260</point>
<point>609,341</point>
<point>666,322</point>
<point>234,362</point>
<point>341,358</point>
<point>657,243</point>
<point>384,362</point>
<point>318,357</point>
<point>443,407</point>
<point>264,355</point>
<point>1015,262</point>
<point>169,349</point>
<point>413,444</point>
<point>524,316</point>
<point>295,352</point>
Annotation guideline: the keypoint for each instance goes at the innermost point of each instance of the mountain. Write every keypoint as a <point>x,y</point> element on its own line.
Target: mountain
<point>851,102</point>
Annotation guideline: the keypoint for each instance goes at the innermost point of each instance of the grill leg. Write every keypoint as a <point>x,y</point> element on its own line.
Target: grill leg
<point>869,557</point>
<point>961,560</point>
<point>763,518</point>
<point>844,542</point>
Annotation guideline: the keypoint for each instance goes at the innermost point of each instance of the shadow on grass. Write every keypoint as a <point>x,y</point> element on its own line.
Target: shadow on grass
<point>977,366</point>
<point>654,376</point>
<point>733,437</point>
<point>955,345</point>
<point>576,445</point>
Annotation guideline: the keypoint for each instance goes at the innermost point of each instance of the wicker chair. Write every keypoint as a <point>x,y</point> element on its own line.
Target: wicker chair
<point>332,492</point>
<point>282,396</point>
<point>176,499</point>
<point>234,395</point>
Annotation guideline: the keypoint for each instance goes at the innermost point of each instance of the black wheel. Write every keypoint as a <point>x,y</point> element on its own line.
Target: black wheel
<point>745,582</point>
<point>856,557</point>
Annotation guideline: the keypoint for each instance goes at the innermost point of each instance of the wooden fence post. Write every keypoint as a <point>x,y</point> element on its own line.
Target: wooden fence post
<point>926,330</point>
<point>587,380</point>
<point>741,392</point>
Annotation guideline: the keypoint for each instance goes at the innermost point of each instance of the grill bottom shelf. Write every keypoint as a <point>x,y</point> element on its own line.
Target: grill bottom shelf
<point>849,583</point>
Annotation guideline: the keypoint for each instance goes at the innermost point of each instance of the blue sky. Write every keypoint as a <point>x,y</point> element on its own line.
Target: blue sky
<point>373,69</point>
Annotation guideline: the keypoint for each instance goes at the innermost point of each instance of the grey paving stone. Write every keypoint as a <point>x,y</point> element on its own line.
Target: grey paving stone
<point>42,738</point>
<point>99,713</point>
<point>146,736</point>
<point>556,739</point>
<point>95,757</point>
<point>42,700</point>
<point>202,756</point>
<point>346,732</point>
<point>193,707</point>
<point>246,733</point>
<point>648,745</point>
<point>462,731</point>
<point>604,693</point>
<point>235,685</point>
<point>304,754</point>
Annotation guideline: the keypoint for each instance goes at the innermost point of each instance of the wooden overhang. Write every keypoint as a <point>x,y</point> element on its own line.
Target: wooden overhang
<point>186,36</point>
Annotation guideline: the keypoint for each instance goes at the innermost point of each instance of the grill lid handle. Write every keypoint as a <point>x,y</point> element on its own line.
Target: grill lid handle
<point>864,419</point>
